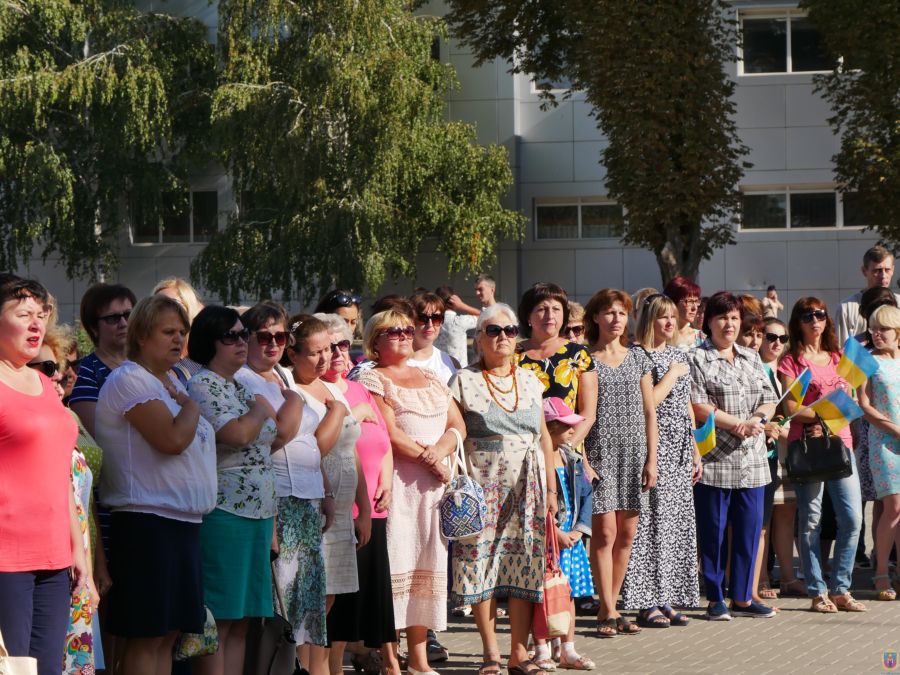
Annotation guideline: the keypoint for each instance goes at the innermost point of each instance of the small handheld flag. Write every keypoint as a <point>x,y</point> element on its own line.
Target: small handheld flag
<point>837,410</point>
<point>799,386</point>
<point>856,364</point>
<point>706,435</point>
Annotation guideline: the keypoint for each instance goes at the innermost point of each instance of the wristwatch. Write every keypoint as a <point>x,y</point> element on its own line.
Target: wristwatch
<point>329,494</point>
<point>762,418</point>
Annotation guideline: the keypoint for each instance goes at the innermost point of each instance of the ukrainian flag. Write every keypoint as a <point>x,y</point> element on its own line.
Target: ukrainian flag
<point>836,409</point>
<point>706,435</point>
<point>800,385</point>
<point>856,364</point>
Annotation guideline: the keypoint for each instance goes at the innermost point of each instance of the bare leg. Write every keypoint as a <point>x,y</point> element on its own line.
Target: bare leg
<point>336,658</point>
<point>417,654</point>
<point>214,664</point>
<point>888,525</point>
<point>877,510</point>
<point>604,537</point>
<point>761,552</point>
<point>389,661</point>
<point>149,656</point>
<point>626,526</point>
<point>485,613</point>
<point>521,613</point>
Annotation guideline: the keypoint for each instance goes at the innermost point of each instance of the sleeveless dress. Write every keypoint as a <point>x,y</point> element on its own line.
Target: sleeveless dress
<point>884,448</point>
<point>416,550</point>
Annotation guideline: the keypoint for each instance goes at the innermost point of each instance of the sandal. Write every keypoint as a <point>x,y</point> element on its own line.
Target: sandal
<point>766,592</point>
<point>528,667</point>
<point>823,605</point>
<point>793,589</point>
<point>652,618</point>
<point>489,668</point>
<point>581,663</point>
<point>847,603</point>
<point>884,594</point>
<point>675,618</point>
<point>607,629</point>
<point>625,627</point>
<point>547,664</point>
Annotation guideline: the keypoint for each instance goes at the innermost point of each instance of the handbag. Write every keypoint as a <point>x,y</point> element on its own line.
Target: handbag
<point>552,616</point>
<point>190,645</point>
<point>816,459</point>
<point>462,507</point>
<point>16,665</point>
<point>271,649</point>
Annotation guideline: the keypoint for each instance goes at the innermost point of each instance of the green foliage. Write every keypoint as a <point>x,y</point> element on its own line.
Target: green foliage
<point>654,73</point>
<point>330,119</point>
<point>97,102</point>
<point>864,93</point>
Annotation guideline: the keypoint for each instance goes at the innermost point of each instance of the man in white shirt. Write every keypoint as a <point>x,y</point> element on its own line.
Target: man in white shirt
<point>458,319</point>
<point>486,290</point>
<point>878,269</point>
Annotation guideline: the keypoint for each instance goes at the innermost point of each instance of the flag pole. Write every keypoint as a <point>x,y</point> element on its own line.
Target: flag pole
<point>787,390</point>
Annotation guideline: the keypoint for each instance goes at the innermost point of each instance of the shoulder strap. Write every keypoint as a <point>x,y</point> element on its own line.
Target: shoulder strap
<point>458,463</point>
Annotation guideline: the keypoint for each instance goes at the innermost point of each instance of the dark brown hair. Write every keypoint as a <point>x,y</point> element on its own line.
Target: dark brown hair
<point>536,295</point>
<point>718,304</point>
<point>600,301</point>
<point>829,338</point>
<point>421,301</point>
<point>95,299</point>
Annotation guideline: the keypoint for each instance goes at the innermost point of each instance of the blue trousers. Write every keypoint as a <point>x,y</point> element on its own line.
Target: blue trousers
<point>34,616</point>
<point>717,508</point>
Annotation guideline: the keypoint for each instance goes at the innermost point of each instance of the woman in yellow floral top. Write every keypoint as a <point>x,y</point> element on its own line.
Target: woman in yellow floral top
<point>564,368</point>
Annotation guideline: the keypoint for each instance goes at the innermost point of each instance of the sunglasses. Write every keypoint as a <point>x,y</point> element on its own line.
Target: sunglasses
<point>232,337</point>
<point>114,319</point>
<point>48,368</point>
<point>346,300</point>
<point>343,345</point>
<point>817,314</point>
<point>265,338</point>
<point>493,330</point>
<point>436,319</point>
<point>577,331</point>
<point>772,337</point>
<point>395,332</point>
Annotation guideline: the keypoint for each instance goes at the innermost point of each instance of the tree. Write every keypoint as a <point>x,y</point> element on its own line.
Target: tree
<point>654,72</point>
<point>864,93</point>
<point>330,120</point>
<point>101,109</point>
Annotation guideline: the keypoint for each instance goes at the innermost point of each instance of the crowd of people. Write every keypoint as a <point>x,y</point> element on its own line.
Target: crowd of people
<point>207,466</point>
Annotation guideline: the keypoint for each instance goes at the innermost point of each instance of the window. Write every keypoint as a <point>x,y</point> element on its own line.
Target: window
<point>854,210</point>
<point>578,219</point>
<point>186,217</point>
<point>799,208</point>
<point>784,42</point>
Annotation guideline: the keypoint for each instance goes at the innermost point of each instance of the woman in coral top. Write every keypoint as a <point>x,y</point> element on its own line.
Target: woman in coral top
<point>40,536</point>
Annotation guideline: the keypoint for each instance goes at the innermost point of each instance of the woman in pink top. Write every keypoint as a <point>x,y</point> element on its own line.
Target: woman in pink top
<point>40,536</point>
<point>368,614</point>
<point>814,346</point>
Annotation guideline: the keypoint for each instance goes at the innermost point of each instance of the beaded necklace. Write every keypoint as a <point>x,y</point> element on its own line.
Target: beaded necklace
<point>514,387</point>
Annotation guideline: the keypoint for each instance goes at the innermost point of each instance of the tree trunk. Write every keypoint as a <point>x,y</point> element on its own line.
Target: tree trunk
<point>677,258</point>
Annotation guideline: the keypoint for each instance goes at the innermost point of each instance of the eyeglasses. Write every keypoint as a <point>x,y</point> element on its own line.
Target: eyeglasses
<point>493,330</point>
<point>232,337</point>
<point>48,368</point>
<point>577,330</point>
<point>265,338</point>
<point>817,314</point>
<point>343,345</point>
<point>774,337</point>
<point>114,319</point>
<point>436,319</point>
<point>690,302</point>
<point>395,332</point>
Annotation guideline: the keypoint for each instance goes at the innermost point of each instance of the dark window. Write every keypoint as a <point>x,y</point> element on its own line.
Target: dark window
<point>601,221</point>
<point>807,47</point>
<point>763,211</point>
<point>855,211</point>
<point>557,222</point>
<point>815,209</point>
<point>206,214</point>
<point>765,45</point>
<point>144,226</point>
<point>176,220</point>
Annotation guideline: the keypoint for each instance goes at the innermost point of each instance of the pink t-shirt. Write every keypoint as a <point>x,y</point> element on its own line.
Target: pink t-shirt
<point>373,444</point>
<point>37,436</point>
<point>824,381</point>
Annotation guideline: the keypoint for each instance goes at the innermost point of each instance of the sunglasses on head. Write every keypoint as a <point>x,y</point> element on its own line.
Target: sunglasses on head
<point>577,330</point>
<point>265,338</point>
<point>817,314</point>
<point>346,300</point>
<point>343,345</point>
<point>48,368</point>
<point>774,337</point>
<point>232,337</point>
<point>114,319</point>
<point>395,332</point>
<point>652,297</point>
<point>493,330</point>
<point>436,319</point>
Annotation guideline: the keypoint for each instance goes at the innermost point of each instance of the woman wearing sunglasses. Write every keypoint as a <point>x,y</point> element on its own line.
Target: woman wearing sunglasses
<point>574,330</point>
<point>814,346</point>
<point>429,316</point>
<point>236,537</point>
<point>416,406</point>
<point>345,305</point>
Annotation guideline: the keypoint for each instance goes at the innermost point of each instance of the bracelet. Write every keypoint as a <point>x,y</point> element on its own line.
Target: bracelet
<point>552,492</point>
<point>329,494</point>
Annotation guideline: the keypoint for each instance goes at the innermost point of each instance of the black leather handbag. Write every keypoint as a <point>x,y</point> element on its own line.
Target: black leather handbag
<point>815,459</point>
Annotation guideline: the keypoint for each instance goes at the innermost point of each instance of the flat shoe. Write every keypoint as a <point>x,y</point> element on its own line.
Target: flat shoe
<point>625,627</point>
<point>652,618</point>
<point>675,618</point>
<point>528,667</point>
<point>847,603</point>
<point>489,668</point>
<point>581,663</point>
<point>607,629</point>
<point>823,605</point>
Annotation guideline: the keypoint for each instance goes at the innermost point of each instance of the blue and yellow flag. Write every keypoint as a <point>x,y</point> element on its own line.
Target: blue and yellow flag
<point>836,409</point>
<point>706,435</point>
<point>856,364</point>
<point>799,386</point>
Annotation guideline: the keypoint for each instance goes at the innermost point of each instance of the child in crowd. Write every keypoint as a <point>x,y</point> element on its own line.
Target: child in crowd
<point>572,522</point>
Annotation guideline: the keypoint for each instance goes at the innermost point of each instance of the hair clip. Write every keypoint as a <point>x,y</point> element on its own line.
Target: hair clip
<point>296,325</point>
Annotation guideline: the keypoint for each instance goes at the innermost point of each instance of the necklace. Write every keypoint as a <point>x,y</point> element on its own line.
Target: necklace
<point>514,387</point>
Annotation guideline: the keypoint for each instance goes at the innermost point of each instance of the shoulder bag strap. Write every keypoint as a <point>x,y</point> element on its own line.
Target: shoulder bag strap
<point>458,463</point>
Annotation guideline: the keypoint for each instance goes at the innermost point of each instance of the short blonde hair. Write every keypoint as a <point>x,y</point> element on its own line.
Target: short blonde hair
<point>886,316</point>
<point>576,311</point>
<point>188,297</point>
<point>653,307</point>
<point>59,339</point>
<point>144,318</point>
<point>389,318</point>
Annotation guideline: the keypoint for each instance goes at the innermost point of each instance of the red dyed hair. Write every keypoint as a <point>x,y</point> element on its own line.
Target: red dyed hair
<point>680,288</point>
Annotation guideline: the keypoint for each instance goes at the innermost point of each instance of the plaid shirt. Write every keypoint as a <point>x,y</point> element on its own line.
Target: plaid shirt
<point>737,388</point>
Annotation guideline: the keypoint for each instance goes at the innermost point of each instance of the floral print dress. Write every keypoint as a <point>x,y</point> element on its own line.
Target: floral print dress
<point>559,372</point>
<point>78,658</point>
<point>884,448</point>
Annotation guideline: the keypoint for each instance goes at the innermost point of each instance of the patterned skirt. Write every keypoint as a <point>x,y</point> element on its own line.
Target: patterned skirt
<point>507,558</point>
<point>300,568</point>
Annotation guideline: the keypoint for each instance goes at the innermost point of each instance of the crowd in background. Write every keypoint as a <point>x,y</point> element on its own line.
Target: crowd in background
<point>213,465</point>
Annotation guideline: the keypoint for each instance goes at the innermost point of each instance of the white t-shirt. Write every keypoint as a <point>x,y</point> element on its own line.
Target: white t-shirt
<point>453,339</point>
<point>850,323</point>
<point>439,362</point>
<point>136,476</point>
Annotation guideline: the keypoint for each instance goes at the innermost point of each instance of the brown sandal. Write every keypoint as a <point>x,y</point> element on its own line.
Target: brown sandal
<point>793,589</point>
<point>766,592</point>
<point>823,605</point>
<point>847,603</point>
